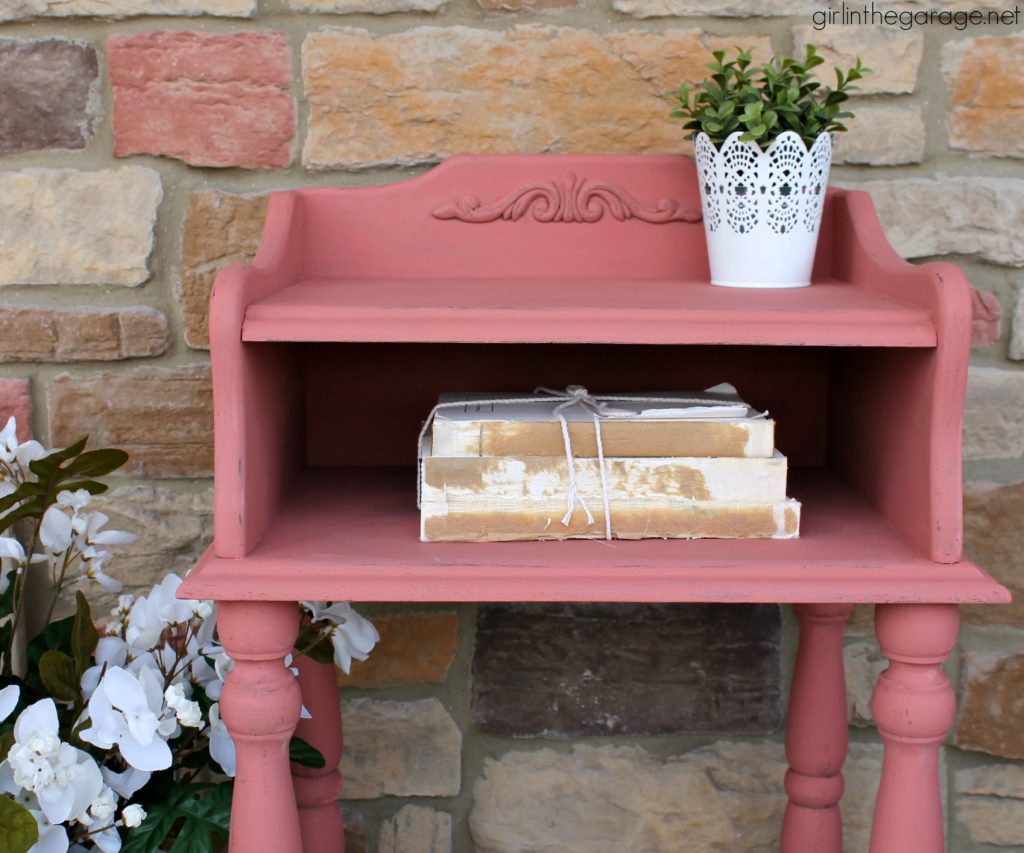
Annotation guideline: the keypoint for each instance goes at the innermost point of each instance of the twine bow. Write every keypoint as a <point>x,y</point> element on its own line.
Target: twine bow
<point>597,405</point>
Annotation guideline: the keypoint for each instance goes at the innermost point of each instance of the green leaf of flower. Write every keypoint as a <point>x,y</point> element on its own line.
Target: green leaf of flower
<point>18,829</point>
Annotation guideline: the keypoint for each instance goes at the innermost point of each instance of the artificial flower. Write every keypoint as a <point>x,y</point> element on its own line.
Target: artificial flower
<point>222,747</point>
<point>133,815</point>
<point>8,700</point>
<point>351,635</point>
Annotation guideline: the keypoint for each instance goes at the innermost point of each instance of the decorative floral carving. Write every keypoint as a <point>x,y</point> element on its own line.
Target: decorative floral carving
<point>568,199</point>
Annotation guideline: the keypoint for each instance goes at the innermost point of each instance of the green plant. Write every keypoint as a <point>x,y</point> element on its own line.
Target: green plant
<point>764,102</point>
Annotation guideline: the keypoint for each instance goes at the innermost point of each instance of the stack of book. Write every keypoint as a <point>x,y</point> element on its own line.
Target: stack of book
<point>492,471</point>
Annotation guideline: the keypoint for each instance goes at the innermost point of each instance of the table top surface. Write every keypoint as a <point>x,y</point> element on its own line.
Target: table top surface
<point>353,534</point>
<point>585,309</point>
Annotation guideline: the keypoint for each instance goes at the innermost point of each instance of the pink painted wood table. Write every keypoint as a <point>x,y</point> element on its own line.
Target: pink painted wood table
<point>502,272</point>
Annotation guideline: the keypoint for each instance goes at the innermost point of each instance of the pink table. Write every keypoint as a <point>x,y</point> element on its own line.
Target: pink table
<point>502,272</point>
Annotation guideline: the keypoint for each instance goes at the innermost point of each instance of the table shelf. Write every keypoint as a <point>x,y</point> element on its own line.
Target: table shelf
<point>584,310</point>
<point>352,533</point>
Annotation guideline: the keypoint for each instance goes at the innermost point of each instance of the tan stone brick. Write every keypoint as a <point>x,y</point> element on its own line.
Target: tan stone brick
<point>1017,325</point>
<point>16,402</point>
<point>400,749</point>
<point>992,704</point>
<point>173,528</point>
<point>990,803</point>
<point>526,5</point>
<point>50,334</point>
<point>726,796</point>
<point>893,55</point>
<point>994,539</point>
<point>986,76</point>
<point>717,8</point>
<point>421,95</point>
<point>220,228</point>
<point>62,226</point>
<point>994,414</point>
<point>414,648</point>
<point>882,135</point>
<point>162,417</point>
<point>368,7</point>
<point>415,829</point>
<point>969,216</point>
<point>12,10</point>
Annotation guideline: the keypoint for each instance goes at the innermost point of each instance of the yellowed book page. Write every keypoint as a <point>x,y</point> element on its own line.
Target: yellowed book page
<point>502,521</point>
<point>547,477</point>
<point>749,438</point>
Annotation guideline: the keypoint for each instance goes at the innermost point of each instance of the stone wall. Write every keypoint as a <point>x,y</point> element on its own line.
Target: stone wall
<point>138,141</point>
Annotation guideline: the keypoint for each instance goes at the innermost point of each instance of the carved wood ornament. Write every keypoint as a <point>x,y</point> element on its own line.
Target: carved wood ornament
<point>567,199</point>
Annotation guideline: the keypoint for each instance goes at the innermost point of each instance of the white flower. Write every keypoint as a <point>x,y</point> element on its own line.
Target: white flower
<point>55,533</point>
<point>9,440</point>
<point>76,501</point>
<point>351,635</point>
<point>188,712</point>
<point>8,700</point>
<point>152,614</point>
<point>110,652</point>
<point>53,838</point>
<point>222,747</point>
<point>12,555</point>
<point>133,815</point>
<point>127,783</point>
<point>103,808</point>
<point>127,710</point>
<point>93,569</point>
<point>94,534</point>
<point>64,779</point>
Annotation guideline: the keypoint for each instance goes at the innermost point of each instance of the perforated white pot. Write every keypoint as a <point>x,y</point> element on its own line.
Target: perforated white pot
<point>762,209</point>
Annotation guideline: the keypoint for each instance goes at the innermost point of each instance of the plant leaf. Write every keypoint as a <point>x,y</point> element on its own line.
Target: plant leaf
<point>198,815</point>
<point>305,755</point>
<point>6,742</point>
<point>96,463</point>
<point>59,675</point>
<point>18,829</point>
<point>84,636</point>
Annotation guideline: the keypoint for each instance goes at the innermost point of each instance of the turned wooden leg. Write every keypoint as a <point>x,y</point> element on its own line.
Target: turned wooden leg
<point>260,705</point>
<point>317,791</point>
<point>914,706</point>
<point>816,733</point>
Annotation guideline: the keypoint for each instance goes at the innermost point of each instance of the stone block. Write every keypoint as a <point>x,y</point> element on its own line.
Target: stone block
<point>400,749</point>
<point>48,94</point>
<point>1016,351</point>
<point>994,414</point>
<point>163,417</point>
<point>62,226</point>
<point>210,99</point>
<point>881,135</point>
<point>986,315</point>
<point>609,799</point>
<point>959,215</point>
<point>414,648</point>
<point>893,55</point>
<point>994,539</point>
<point>366,7</point>
<point>219,229</point>
<point>415,829</point>
<point>568,670</point>
<point>80,334</point>
<point>709,8</point>
<point>16,402</point>
<point>173,528</point>
<point>864,662</point>
<point>991,704</point>
<point>986,76</point>
<point>990,804</point>
<point>13,10</point>
<point>423,94</point>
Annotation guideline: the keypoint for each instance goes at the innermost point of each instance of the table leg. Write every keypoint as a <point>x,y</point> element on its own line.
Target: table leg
<point>260,705</point>
<point>816,733</point>
<point>914,707</point>
<point>317,791</point>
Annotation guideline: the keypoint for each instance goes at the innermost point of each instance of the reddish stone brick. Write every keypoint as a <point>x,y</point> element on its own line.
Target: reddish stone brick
<point>208,99</point>
<point>47,334</point>
<point>162,417</point>
<point>414,648</point>
<point>16,401</point>
<point>986,315</point>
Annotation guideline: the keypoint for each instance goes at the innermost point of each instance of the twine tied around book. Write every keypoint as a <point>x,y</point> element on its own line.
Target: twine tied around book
<point>597,405</point>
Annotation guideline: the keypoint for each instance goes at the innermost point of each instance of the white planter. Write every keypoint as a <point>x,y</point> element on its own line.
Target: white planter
<point>762,209</point>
